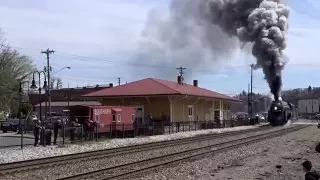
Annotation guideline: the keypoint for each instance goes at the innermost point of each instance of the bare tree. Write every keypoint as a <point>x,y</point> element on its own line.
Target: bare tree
<point>52,82</point>
<point>59,83</point>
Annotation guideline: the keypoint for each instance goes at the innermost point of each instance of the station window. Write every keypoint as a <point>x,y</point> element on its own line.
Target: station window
<point>216,115</point>
<point>118,117</point>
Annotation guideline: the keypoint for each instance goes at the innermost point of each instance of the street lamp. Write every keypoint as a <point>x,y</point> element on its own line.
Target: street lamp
<point>21,129</point>
<point>34,86</point>
<point>67,67</point>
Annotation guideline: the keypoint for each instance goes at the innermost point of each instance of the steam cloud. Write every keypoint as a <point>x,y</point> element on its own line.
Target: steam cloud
<point>261,22</point>
<point>211,27</point>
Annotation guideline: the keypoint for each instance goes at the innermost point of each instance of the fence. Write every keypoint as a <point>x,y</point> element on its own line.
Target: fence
<point>79,134</point>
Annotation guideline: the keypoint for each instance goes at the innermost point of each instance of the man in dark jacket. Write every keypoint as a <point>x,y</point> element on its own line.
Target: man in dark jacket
<point>310,173</point>
<point>36,131</point>
<point>56,127</point>
<point>73,126</point>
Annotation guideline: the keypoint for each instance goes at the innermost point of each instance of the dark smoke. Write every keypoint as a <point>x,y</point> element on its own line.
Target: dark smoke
<point>197,28</point>
<point>261,22</point>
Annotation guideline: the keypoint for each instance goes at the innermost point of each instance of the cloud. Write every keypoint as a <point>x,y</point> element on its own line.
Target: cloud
<point>93,26</point>
<point>111,30</point>
<point>96,28</point>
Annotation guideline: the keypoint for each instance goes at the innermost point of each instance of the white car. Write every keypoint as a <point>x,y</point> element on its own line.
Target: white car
<point>34,117</point>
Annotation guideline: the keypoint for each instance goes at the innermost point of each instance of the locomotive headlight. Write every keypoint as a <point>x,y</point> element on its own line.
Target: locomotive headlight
<point>275,108</point>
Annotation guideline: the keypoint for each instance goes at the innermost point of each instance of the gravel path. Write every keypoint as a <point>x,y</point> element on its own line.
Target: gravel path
<point>90,165</point>
<point>256,161</point>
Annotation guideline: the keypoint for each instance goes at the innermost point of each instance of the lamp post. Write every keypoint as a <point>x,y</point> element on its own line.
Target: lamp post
<point>34,86</point>
<point>49,88</point>
<point>19,108</point>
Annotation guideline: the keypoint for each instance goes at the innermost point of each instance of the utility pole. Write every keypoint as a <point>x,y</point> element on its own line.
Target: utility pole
<point>48,52</point>
<point>249,99</point>
<point>119,81</point>
<point>181,69</point>
<point>251,93</point>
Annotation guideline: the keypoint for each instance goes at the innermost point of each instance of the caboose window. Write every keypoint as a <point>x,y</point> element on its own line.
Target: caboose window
<point>97,118</point>
<point>133,117</point>
<point>119,117</point>
<point>113,118</point>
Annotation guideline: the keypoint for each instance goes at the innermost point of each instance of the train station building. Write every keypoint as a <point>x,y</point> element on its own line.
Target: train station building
<point>177,100</point>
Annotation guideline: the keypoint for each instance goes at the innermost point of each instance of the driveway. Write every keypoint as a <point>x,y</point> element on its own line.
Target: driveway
<point>14,139</point>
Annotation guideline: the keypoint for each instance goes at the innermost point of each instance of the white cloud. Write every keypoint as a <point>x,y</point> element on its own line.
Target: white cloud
<point>85,26</point>
<point>111,30</point>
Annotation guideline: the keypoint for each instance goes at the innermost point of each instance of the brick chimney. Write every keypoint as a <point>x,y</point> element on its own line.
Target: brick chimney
<point>179,79</point>
<point>195,83</point>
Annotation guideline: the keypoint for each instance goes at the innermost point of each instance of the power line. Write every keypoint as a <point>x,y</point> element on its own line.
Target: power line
<point>132,64</point>
<point>181,69</point>
<point>111,60</point>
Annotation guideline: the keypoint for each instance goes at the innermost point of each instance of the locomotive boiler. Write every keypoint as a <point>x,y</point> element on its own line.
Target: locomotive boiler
<point>280,112</point>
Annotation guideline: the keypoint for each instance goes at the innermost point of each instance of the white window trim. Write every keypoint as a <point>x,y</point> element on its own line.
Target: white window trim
<point>97,117</point>
<point>133,117</point>
<point>118,117</point>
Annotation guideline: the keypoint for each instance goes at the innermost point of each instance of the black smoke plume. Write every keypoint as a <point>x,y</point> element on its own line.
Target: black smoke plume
<point>263,24</point>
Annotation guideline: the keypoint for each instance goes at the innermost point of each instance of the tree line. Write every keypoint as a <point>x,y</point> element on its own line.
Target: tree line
<point>14,67</point>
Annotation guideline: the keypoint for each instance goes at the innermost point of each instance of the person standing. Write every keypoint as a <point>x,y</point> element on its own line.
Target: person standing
<point>310,173</point>
<point>56,127</point>
<point>36,131</point>
<point>74,125</point>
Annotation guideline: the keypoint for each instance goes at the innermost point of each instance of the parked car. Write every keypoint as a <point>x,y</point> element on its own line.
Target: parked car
<point>33,118</point>
<point>11,125</point>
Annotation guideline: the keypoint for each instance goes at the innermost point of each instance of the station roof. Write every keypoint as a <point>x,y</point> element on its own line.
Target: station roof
<point>155,87</point>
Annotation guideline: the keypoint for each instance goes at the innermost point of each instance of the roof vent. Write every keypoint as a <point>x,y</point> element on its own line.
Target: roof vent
<point>195,83</point>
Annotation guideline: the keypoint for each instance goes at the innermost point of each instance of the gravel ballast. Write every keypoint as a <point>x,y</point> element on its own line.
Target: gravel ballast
<point>90,165</point>
<point>255,161</point>
<point>16,154</point>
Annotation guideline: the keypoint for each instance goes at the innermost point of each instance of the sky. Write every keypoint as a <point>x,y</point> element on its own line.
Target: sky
<point>100,40</point>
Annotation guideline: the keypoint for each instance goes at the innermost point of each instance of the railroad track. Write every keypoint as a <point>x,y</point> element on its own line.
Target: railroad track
<point>33,164</point>
<point>130,169</point>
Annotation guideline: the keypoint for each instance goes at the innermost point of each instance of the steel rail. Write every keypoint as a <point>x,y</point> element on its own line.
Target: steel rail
<point>32,164</point>
<point>134,168</point>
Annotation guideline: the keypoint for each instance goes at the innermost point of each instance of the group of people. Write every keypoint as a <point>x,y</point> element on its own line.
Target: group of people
<point>88,128</point>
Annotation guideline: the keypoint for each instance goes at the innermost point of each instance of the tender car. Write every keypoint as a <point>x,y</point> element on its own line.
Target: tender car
<point>11,125</point>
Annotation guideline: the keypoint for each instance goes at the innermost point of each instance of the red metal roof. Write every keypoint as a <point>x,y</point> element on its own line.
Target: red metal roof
<point>152,86</point>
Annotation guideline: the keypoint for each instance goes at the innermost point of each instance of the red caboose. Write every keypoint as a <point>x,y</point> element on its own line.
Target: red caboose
<point>108,118</point>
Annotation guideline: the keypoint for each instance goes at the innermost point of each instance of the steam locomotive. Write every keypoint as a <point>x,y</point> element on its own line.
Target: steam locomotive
<point>280,112</point>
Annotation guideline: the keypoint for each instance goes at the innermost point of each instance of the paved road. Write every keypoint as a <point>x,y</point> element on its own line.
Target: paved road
<point>14,141</point>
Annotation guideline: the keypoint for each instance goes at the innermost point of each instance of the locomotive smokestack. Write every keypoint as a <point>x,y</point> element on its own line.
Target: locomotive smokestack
<point>275,86</point>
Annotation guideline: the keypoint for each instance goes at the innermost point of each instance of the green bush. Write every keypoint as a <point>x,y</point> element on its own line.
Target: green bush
<point>24,110</point>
